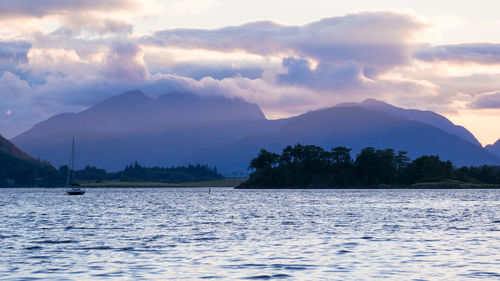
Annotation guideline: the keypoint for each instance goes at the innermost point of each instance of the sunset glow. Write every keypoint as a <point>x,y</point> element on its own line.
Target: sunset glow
<point>289,57</point>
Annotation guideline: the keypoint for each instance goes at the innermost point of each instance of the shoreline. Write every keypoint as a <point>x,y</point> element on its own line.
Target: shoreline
<point>426,185</point>
<point>214,183</point>
<point>116,184</point>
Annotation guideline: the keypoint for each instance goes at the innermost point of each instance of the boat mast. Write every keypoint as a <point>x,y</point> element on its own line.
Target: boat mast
<point>72,163</point>
<point>73,156</point>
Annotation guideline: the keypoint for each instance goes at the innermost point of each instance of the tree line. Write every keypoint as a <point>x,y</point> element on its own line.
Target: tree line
<point>20,172</point>
<point>310,166</point>
<point>136,172</point>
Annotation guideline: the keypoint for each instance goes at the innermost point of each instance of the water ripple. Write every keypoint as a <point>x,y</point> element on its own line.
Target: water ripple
<point>159,234</point>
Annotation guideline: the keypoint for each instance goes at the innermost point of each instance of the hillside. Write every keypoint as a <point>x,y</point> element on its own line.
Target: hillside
<point>353,127</point>
<point>9,148</point>
<point>20,169</point>
<point>426,117</point>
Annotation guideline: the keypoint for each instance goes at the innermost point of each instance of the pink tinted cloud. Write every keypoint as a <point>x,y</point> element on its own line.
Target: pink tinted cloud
<point>379,40</point>
<point>486,100</point>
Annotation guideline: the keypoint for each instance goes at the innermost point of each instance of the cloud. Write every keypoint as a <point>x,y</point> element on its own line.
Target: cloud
<point>12,87</point>
<point>378,40</point>
<point>124,62</point>
<point>90,54</point>
<point>36,8</point>
<point>76,23</point>
<point>324,77</point>
<point>487,100</point>
<point>100,17</point>
<point>12,54</point>
<point>215,70</point>
<point>480,53</point>
<point>16,109</point>
<point>191,7</point>
<point>15,51</point>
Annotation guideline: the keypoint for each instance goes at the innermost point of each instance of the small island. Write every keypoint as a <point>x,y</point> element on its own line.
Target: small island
<point>310,166</point>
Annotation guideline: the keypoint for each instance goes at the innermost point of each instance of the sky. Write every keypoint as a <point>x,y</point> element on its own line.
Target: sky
<point>287,56</point>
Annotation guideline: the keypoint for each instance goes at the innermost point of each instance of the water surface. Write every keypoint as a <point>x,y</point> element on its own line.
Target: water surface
<point>168,233</point>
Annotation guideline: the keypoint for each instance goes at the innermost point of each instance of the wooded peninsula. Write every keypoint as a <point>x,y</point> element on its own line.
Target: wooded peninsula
<point>310,166</point>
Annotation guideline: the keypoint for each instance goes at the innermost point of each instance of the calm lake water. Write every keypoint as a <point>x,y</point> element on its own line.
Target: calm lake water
<point>158,234</point>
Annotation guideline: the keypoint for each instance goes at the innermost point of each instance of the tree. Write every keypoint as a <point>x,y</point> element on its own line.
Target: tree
<point>402,160</point>
<point>430,168</point>
<point>265,160</point>
<point>341,155</point>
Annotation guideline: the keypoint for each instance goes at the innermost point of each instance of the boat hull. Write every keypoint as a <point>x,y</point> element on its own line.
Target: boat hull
<point>75,192</point>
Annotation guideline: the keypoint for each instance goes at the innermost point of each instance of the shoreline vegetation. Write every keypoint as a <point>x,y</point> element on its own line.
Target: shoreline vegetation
<point>312,167</point>
<point>297,167</point>
<point>16,172</point>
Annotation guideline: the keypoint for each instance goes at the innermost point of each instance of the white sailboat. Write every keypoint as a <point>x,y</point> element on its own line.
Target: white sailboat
<point>73,188</point>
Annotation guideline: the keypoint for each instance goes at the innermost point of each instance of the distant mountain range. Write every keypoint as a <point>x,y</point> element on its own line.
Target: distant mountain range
<point>426,117</point>
<point>181,128</point>
<point>494,148</point>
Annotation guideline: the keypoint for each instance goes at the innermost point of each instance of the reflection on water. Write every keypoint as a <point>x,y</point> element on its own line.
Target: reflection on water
<point>145,234</point>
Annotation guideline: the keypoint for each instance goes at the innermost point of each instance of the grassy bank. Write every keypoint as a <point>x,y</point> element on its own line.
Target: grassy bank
<point>448,184</point>
<point>214,183</point>
<point>453,184</point>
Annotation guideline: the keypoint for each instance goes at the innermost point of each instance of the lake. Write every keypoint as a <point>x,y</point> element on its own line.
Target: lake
<point>186,233</point>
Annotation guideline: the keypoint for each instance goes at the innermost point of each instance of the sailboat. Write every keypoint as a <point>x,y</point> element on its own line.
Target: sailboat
<point>74,189</point>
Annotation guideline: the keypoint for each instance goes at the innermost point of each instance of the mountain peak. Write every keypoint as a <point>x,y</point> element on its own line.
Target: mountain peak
<point>131,95</point>
<point>375,102</point>
<point>129,99</point>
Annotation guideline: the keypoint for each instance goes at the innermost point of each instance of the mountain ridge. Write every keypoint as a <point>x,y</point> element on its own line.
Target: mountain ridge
<point>9,148</point>
<point>494,148</point>
<point>369,128</point>
<point>424,116</point>
<point>181,128</point>
<point>133,111</point>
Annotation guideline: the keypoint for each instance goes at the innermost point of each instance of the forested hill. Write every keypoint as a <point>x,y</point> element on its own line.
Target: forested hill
<point>311,166</point>
<point>19,169</point>
<point>9,148</point>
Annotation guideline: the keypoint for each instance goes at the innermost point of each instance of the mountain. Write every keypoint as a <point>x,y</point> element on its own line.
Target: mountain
<point>9,148</point>
<point>356,128</point>
<point>19,169</point>
<point>182,128</point>
<point>133,126</point>
<point>133,112</point>
<point>426,117</point>
<point>494,148</point>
